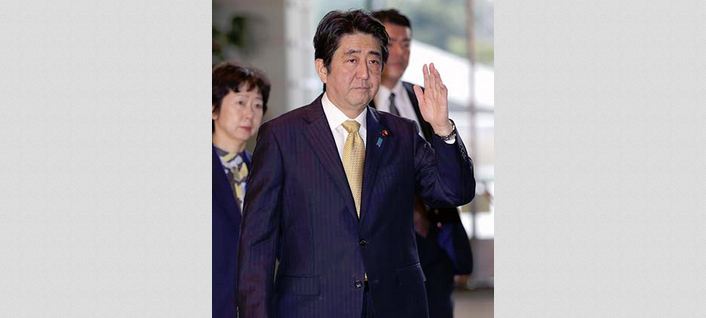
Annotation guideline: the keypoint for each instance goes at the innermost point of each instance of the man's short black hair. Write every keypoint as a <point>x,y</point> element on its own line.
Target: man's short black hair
<point>392,16</point>
<point>336,24</point>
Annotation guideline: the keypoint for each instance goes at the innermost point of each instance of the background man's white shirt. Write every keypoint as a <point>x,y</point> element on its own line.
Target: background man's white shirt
<point>404,105</point>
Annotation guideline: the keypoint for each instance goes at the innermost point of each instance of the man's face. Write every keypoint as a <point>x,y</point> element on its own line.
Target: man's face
<point>355,72</point>
<point>240,115</point>
<point>400,38</point>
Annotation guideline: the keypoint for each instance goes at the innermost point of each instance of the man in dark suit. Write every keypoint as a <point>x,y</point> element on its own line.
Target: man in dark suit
<point>442,242</point>
<point>332,187</point>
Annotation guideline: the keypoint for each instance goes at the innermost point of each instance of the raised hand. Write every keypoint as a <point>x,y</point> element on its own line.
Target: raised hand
<point>434,101</point>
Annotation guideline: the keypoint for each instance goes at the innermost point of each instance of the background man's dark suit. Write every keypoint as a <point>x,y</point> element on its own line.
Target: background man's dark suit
<point>298,198</point>
<point>224,231</point>
<point>446,250</point>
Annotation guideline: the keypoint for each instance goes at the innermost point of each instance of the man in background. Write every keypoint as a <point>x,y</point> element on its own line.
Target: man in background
<point>442,242</point>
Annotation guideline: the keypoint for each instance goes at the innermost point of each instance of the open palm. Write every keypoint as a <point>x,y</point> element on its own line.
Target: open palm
<point>434,101</point>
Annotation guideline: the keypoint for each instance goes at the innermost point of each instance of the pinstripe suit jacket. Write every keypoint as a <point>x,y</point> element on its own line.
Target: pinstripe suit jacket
<point>299,205</point>
<point>446,251</point>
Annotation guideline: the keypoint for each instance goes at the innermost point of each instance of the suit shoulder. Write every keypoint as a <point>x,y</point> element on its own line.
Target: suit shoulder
<point>394,120</point>
<point>288,119</point>
<point>410,86</point>
<point>386,117</point>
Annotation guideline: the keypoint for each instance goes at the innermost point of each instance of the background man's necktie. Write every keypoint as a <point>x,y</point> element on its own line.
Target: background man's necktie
<point>393,106</point>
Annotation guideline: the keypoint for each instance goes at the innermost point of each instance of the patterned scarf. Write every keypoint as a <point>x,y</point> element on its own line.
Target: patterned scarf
<point>237,172</point>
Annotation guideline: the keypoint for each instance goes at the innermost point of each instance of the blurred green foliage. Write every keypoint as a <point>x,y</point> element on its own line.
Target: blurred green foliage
<point>233,35</point>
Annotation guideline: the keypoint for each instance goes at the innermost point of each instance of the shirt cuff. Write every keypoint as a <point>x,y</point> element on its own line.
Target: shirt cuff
<point>451,140</point>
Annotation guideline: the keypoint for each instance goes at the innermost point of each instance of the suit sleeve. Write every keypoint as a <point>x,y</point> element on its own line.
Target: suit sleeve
<point>259,228</point>
<point>453,239</point>
<point>444,173</point>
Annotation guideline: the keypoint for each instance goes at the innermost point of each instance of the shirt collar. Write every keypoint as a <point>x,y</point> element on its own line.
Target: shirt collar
<point>398,88</point>
<point>383,94</point>
<point>227,156</point>
<point>336,117</point>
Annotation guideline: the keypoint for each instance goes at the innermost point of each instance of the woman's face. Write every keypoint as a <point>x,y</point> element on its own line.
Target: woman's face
<point>240,115</point>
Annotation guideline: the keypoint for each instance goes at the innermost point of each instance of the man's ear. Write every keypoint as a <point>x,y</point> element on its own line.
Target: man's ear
<point>214,115</point>
<point>321,70</point>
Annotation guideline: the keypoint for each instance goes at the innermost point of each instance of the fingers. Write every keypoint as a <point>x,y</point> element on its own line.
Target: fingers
<point>433,76</point>
<point>429,80</point>
<point>436,90</point>
<point>439,84</point>
<point>425,73</point>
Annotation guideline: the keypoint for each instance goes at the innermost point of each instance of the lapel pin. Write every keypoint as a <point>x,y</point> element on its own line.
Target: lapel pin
<point>383,133</point>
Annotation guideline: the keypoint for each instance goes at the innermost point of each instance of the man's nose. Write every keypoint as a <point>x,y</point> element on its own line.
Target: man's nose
<point>363,70</point>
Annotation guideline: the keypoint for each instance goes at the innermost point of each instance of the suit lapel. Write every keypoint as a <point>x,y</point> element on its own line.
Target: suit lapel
<point>318,134</point>
<point>373,152</point>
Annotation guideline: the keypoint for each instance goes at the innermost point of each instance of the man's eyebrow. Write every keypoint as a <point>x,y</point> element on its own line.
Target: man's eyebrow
<point>352,51</point>
<point>355,51</point>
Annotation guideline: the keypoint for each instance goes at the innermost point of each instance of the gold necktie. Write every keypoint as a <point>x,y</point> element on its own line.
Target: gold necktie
<point>353,160</point>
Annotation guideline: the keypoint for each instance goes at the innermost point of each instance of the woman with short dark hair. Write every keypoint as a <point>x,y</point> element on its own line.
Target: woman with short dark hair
<point>239,102</point>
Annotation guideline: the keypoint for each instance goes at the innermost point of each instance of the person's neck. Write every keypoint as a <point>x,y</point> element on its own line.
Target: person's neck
<point>230,146</point>
<point>389,83</point>
<point>350,112</point>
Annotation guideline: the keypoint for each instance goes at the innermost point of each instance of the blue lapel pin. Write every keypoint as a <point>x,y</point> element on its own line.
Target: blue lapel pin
<point>384,133</point>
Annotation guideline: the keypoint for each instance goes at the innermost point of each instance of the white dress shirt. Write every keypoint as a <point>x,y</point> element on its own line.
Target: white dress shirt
<point>336,118</point>
<point>404,105</point>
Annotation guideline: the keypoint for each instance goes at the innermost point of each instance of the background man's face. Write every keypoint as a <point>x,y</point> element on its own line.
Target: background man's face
<point>400,38</point>
<point>355,72</point>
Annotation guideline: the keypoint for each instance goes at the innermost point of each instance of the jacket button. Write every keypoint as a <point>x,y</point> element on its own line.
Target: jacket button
<point>358,284</point>
<point>363,243</point>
